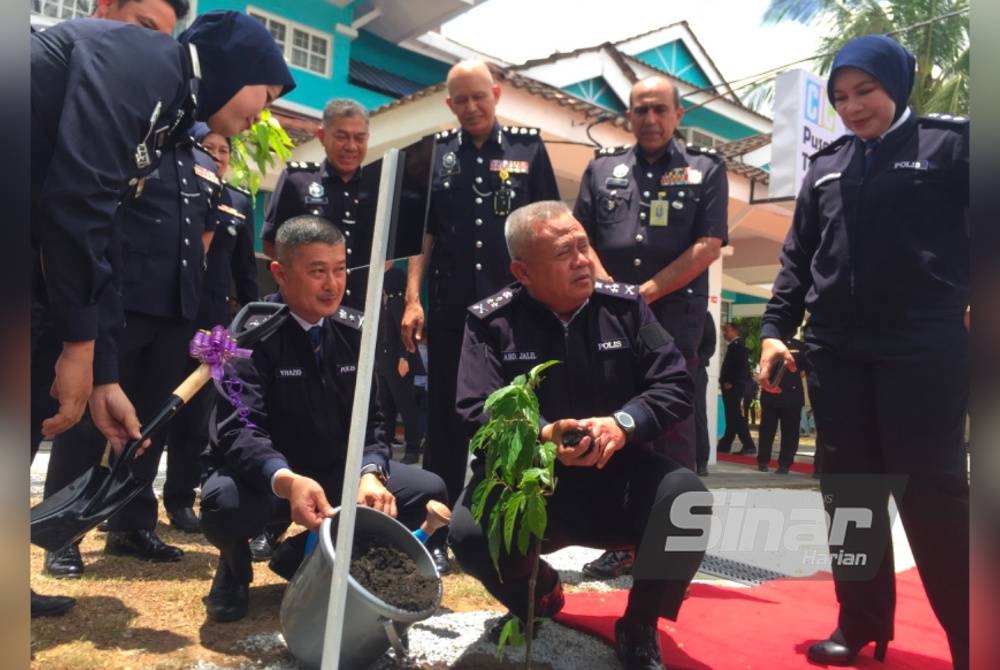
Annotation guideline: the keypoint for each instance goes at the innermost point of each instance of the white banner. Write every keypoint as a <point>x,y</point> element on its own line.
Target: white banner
<point>804,123</point>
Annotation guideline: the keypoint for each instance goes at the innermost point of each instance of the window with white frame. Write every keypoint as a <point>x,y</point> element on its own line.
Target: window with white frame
<point>57,10</point>
<point>303,47</point>
<point>700,138</point>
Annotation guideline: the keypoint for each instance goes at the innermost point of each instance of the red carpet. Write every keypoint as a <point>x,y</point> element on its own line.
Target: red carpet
<point>768,626</point>
<point>805,468</point>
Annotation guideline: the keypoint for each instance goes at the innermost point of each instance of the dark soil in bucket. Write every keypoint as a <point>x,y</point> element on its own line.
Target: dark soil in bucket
<point>390,575</point>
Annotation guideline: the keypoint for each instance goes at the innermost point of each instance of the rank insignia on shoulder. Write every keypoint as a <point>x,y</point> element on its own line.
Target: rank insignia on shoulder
<point>349,317</point>
<point>445,134</point>
<point>520,130</point>
<point>945,119</point>
<point>704,151</point>
<point>302,165</point>
<point>486,307</point>
<point>611,151</point>
<point>206,174</point>
<point>619,289</point>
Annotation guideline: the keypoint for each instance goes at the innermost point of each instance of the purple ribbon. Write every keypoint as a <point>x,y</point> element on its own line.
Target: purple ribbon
<point>214,348</point>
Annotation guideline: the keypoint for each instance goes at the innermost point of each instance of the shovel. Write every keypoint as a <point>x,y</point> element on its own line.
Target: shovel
<point>70,513</point>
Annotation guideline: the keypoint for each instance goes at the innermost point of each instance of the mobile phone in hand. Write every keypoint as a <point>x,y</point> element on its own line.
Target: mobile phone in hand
<point>571,438</point>
<point>777,373</point>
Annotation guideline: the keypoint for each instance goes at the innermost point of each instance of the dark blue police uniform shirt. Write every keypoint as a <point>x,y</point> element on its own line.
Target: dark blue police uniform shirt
<point>635,242</point>
<point>230,265</point>
<point>314,188</point>
<point>162,224</point>
<point>472,192</point>
<point>889,247</point>
<point>300,409</point>
<point>614,355</point>
<point>106,99</point>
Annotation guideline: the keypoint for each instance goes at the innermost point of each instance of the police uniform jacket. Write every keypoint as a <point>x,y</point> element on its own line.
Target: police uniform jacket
<point>889,247</point>
<point>299,411</point>
<point>641,216</point>
<point>614,356</point>
<point>472,192</point>
<point>230,263</point>
<point>100,117</point>
<point>736,364</point>
<point>162,224</point>
<point>314,188</point>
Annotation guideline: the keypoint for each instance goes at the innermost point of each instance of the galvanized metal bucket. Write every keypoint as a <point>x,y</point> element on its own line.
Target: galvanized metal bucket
<point>371,625</point>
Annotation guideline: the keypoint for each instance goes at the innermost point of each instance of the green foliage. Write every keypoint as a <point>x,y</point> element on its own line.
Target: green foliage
<point>750,327</point>
<point>524,472</point>
<point>935,31</point>
<point>256,150</point>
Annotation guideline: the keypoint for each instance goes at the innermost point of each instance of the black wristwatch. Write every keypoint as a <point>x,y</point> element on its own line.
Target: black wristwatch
<point>378,471</point>
<point>625,422</point>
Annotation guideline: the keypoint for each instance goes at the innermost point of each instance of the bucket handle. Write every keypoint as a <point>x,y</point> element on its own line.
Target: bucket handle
<point>395,640</point>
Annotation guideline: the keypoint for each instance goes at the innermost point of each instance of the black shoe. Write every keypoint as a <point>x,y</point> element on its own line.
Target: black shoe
<point>782,470</point>
<point>185,519</point>
<point>50,605</point>
<point>702,471</point>
<point>65,562</point>
<point>610,564</point>
<point>440,557</point>
<point>410,458</point>
<point>836,651</point>
<point>227,600</point>
<point>288,555</point>
<point>762,467</point>
<point>637,645</point>
<point>747,451</point>
<point>548,606</point>
<point>262,546</point>
<point>142,544</point>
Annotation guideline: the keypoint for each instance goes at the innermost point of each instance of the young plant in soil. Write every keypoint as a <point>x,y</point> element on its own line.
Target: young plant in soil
<point>523,469</point>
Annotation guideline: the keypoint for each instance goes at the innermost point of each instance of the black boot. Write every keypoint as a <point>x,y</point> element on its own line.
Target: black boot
<point>50,605</point>
<point>184,519</point>
<point>65,562</point>
<point>228,599</point>
<point>142,544</point>
<point>637,645</point>
<point>835,650</point>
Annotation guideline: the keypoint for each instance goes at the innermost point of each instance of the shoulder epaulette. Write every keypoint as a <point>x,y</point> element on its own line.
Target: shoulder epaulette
<point>945,119</point>
<point>349,317</point>
<point>832,147</point>
<point>487,306</point>
<point>302,165</point>
<point>239,189</point>
<point>521,131</point>
<point>704,151</point>
<point>611,151</point>
<point>617,289</point>
<point>446,134</point>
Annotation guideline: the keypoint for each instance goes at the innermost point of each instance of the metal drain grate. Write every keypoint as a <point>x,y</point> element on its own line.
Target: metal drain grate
<point>736,571</point>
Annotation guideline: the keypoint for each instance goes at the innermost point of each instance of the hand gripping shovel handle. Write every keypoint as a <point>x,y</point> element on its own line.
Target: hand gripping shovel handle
<point>98,494</point>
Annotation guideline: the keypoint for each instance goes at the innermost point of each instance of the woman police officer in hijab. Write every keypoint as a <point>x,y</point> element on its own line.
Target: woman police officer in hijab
<point>878,253</point>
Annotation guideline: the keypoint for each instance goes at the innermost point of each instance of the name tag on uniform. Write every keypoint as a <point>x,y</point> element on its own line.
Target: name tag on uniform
<point>911,165</point>
<point>289,372</point>
<point>346,369</point>
<point>659,213</point>
<point>514,356</point>
<point>612,345</point>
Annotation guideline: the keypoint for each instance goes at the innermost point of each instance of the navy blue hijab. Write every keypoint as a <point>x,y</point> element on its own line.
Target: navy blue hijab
<point>234,50</point>
<point>883,58</point>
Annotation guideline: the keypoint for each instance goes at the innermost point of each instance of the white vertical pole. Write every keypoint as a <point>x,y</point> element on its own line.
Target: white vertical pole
<point>333,634</point>
<point>712,390</point>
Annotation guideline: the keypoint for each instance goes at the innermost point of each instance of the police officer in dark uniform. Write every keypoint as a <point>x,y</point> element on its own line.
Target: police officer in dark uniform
<point>784,409</point>
<point>878,253</point>
<point>280,456</point>
<point>481,173</point>
<point>734,375</point>
<point>230,279</point>
<point>623,381</point>
<point>656,214</point>
<point>336,189</point>
<point>706,349</point>
<point>396,369</point>
<point>133,92</point>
